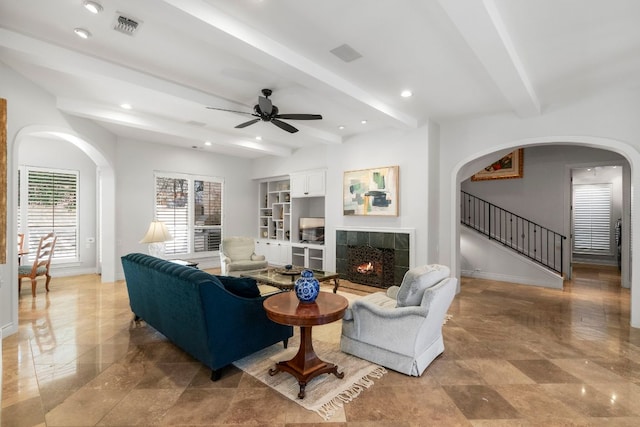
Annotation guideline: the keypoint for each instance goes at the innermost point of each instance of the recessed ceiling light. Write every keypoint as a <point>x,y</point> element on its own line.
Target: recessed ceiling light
<point>259,138</point>
<point>207,143</point>
<point>340,127</point>
<point>406,93</point>
<point>92,6</point>
<point>364,122</point>
<point>126,106</point>
<point>82,33</point>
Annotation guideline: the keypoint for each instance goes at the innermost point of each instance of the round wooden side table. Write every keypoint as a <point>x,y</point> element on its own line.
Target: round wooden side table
<point>286,309</point>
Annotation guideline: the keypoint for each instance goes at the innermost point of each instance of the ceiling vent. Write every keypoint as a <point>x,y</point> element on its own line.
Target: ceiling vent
<point>346,53</point>
<point>125,24</point>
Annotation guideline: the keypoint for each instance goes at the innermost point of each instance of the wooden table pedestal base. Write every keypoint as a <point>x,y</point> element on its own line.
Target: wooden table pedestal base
<point>306,364</point>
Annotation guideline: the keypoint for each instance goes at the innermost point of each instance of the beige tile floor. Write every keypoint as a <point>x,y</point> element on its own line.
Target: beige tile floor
<point>515,356</point>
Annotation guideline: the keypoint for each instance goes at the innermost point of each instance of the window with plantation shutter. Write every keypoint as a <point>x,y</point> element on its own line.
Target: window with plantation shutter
<point>50,204</point>
<point>191,208</point>
<point>592,218</point>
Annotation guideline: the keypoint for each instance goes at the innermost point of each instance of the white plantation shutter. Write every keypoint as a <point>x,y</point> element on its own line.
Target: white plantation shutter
<point>191,207</point>
<point>592,218</point>
<point>172,196</point>
<point>52,206</point>
<point>207,216</point>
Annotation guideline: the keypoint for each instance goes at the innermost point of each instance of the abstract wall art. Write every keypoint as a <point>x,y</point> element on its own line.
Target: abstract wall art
<point>371,192</point>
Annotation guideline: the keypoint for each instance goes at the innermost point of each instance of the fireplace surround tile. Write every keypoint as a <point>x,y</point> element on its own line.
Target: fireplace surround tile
<point>391,240</point>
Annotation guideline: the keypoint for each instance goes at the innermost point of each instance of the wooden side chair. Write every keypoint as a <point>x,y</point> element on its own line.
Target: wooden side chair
<point>41,263</point>
<point>20,247</point>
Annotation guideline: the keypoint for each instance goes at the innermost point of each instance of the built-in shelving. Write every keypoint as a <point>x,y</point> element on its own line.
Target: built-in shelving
<point>274,214</point>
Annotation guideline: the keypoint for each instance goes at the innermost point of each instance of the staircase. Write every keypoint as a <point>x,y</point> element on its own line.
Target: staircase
<point>531,240</point>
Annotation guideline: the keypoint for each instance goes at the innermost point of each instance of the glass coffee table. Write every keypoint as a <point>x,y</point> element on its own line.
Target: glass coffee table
<point>285,279</point>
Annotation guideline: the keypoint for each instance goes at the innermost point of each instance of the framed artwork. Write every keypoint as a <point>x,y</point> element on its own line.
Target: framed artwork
<point>510,166</point>
<point>3,181</point>
<point>371,192</point>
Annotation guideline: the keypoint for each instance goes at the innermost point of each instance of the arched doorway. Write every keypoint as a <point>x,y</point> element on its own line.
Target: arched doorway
<point>471,164</point>
<point>105,192</point>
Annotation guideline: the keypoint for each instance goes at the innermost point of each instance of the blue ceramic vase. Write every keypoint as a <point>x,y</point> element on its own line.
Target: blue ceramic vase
<point>307,287</point>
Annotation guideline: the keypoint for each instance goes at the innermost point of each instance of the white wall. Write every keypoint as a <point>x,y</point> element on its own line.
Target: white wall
<point>135,189</point>
<point>58,154</point>
<point>542,194</point>
<point>30,110</point>
<point>608,121</point>
<point>407,149</point>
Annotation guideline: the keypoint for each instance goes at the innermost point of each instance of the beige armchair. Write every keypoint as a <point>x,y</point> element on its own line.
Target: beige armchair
<point>402,328</point>
<point>237,255</point>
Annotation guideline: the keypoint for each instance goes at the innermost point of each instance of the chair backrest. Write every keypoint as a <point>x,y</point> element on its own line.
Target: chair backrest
<point>20,242</point>
<point>417,280</point>
<point>238,248</point>
<point>44,253</point>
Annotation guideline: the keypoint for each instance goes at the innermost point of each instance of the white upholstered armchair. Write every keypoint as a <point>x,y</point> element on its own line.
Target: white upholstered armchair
<point>237,255</point>
<point>402,328</point>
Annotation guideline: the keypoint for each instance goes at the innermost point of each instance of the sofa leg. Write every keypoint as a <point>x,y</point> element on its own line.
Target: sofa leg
<point>216,374</point>
<point>285,342</point>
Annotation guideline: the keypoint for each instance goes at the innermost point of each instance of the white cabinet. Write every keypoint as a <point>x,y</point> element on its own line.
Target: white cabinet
<point>276,253</point>
<point>308,184</point>
<point>308,256</point>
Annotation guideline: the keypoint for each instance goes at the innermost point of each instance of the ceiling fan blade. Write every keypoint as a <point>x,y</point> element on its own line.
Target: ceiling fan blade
<point>265,105</point>
<point>284,126</point>
<point>299,116</point>
<point>230,111</point>
<point>245,124</point>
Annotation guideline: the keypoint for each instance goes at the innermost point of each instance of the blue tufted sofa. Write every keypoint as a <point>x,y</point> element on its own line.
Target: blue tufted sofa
<point>198,313</point>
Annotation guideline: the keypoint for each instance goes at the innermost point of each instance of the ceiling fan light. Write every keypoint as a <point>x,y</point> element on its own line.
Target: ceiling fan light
<point>406,94</point>
<point>364,122</point>
<point>92,6</point>
<point>82,33</point>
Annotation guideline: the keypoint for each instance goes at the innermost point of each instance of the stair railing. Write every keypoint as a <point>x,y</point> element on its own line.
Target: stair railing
<point>527,238</point>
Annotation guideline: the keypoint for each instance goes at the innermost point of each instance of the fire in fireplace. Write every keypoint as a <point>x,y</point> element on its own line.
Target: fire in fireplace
<point>370,266</point>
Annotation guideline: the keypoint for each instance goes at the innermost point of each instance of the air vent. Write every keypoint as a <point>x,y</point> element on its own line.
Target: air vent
<point>346,53</point>
<point>125,24</point>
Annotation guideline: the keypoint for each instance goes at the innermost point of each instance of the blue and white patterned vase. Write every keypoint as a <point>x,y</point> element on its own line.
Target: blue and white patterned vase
<point>307,287</point>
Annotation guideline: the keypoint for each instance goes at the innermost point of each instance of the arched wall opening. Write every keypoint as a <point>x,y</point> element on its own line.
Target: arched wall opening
<point>105,192</point>
<point>466,167</point>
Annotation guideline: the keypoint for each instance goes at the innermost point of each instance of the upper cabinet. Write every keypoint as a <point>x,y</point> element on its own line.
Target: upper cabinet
<point>308,184</point>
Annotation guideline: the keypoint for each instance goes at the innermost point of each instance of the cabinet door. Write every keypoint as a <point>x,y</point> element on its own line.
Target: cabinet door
<point>298,185</point>
<point>315,184</point>
<point>261,248</point>
<point>278,253</point>
<point>308,184</point>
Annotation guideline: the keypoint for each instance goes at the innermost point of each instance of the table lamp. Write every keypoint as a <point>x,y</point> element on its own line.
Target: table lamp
<point>156,235</point>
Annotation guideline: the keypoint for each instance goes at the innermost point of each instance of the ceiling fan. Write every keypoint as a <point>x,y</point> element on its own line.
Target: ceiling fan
<point>264,110</point>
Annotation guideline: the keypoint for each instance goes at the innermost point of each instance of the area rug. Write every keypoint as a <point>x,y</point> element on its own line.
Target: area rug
<point>325,394</point>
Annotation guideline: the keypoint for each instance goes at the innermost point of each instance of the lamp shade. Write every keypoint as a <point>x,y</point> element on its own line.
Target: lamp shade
<point>157,233</point>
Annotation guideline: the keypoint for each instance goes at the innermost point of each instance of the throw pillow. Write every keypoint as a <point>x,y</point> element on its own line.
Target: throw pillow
<point>240,286</point>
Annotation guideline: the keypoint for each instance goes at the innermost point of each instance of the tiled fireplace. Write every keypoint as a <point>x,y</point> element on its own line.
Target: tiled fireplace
<point>374,257</point>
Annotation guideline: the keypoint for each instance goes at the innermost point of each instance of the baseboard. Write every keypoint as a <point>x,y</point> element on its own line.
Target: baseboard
<point>511,279</point>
